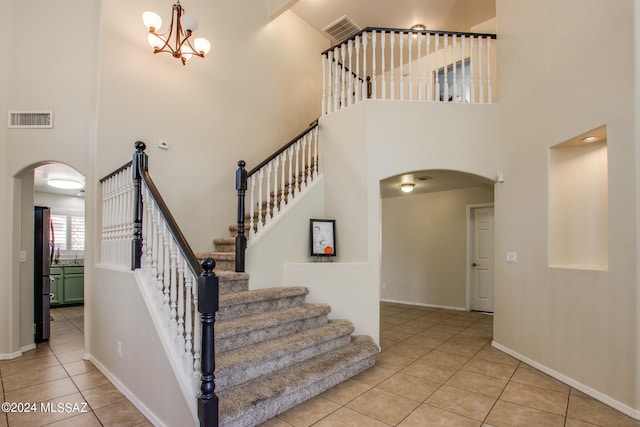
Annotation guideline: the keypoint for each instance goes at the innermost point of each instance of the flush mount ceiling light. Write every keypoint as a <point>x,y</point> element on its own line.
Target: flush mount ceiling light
<point>65,184</point>
<point>418,27</point>
<point>177,39</point>
<point>407,187</point>
<point>588,139</point>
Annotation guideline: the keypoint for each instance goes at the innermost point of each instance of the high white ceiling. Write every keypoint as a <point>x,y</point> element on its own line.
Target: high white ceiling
<point>431,181</point>
<point>56,171</point>
<point>446,15</point>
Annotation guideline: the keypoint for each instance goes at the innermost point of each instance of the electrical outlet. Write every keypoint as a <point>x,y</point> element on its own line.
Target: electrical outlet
<point>23,256</point>
<point>119,349</point>
<point>384,286</point>
<point>512,256</point>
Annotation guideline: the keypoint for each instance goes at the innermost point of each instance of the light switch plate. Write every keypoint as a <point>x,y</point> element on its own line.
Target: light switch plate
<point>512,256</point>
<point>23,256</point>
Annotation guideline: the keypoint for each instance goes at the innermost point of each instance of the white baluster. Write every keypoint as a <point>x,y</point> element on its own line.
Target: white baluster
<point>343,80</point>
<point>453,62</point>
<point>336,74</point>
<point>303,177</point>
<point>463,88</point>
<point>480,82</point>
<point>330,82</point>
<point>309,167</point>
<point>283,180</point>
<point>350,88</point>
<point>252,205</point>
<point>489,90</point>
<point>393,70</point>
<point>358,85</point>
<point>180,343</point>
<point>419,67</point>
<point>402,36</point>
<point>260,200</point>
<point>197,332</point>
<point>291,180</point>
<point>166,276</point>
<point>365,88</point>
<point>276,193</point>
<point>428,71</point>
<point>410,48</point>
<point>188,321</point>
<point>437,94</point>
<point>472,81</point>
<point>296,185</point>
<point>374,89</point>
<point>446,69</point>
<point>324,84</point>
<point>268,197</point>
<point>383,36</point>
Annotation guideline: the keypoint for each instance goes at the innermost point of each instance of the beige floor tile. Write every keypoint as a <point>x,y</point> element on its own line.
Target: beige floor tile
<point>578,393</point>
<point>89,380</point>
<point>478,383</point>
<point>21,366</point>
<point>409,328</point>
<point>41,350</point>
<point>494,355</point>
<point>76,345</point>
<point>84,420</point>
<point>570,422</point>
<point>121,414</point>
<point>414,388</point>
<point>275,422</point>
<point>471,340</point>
<point>42,392</point>
<point>3,419</point>
<point>456,348</point>
<point>527,375</point>
<point>491,369</point>
<point>384,406</point>
<point>48,411</point>
<point>411,349</point>
<point>309,412</point>
<point>390,360</point>
<point>592,411</point>
<point>374,376</point>
<point>462,402</point>
<point>345,392</point>
<point>427,415</point>
<point>79,367</point>
<point>430,370</point>
<point>72,356</point>
<point>505,414</point>
<point>437,333</point>
<point>33,377</point>
<point>103,395</point>
<point>345,417</point>
<point>535,397</point>
<point>453,360</point>
<point>393,335</point>
<point>423,341</point>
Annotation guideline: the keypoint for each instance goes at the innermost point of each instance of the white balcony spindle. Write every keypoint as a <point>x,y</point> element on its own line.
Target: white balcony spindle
<point>427,65</point>
<point>291,179</point>
<point>480,82</point>
<point>283,195</point>
<point>252,205</point>
<point>446,66</point>
<point>383,42</point>
<point>489,91</point>
<point>180,342</point>
<point>324,85</point>
<point>329,106</point>
<point>296,179</point>
<point>315,153</point>
<point>463,86</point>
<point>358,91</point>
<point>188,322</point>
<point>374,88</point>
<point>350,73</point>
<point>276,193</point>
<point>336,80</point>
<point>402,36</point>
<point>437,53</point>
<point>260,200</point>
<point>392,71</point>
<point>267,200</point>
<point>472,84</point>
<point>410,49</point>
<point>365,84</point>
<point>419,67</point>
<point>343,79</point>
<point>455,72</point>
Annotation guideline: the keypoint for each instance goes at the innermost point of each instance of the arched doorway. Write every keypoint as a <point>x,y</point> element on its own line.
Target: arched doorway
<point>426,236</point>
<point>50,214</point>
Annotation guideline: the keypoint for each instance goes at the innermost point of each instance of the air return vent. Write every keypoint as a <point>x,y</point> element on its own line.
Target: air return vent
<point>31,119</point>
<point>341,29</point>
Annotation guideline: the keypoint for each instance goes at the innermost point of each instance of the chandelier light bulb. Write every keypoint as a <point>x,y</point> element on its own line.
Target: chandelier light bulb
<point>152,20</point>
<point>189,23</point>
<point>155,41</point>
<point>202,45</point>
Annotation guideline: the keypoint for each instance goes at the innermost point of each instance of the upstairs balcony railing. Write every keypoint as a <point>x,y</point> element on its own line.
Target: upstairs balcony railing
<point>399,64</point>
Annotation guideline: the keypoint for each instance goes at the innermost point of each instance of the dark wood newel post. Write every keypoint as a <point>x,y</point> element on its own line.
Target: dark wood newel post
<point>139,164</point>
<point>241,239</point>
<point>208,301</point>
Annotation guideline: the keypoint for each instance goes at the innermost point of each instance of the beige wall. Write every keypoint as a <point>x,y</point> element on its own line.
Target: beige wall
<point>424,246</point>
<point>558,79</point>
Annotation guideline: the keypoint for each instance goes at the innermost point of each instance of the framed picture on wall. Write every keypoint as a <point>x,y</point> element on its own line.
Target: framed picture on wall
<point>323,237</point>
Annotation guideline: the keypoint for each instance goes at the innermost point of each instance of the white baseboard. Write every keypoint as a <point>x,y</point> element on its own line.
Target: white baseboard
<point>9,356</point>
<point>126,392</point>
<point>607,400</point>
<point>445,307</point>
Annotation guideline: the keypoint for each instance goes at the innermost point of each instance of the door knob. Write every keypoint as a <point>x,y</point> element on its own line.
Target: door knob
<point>474,265</point>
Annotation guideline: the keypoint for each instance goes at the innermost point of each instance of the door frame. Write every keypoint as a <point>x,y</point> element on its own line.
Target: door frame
<point>469,257</point>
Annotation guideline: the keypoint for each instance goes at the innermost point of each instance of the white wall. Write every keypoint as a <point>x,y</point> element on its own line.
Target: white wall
<point>559,80</point>
<point>424,246</point>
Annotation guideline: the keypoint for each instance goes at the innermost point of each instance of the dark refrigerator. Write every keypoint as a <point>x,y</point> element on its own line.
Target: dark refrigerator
<point>43,249</point>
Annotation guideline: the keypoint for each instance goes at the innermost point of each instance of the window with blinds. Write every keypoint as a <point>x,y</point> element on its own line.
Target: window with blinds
<point>68,231</point>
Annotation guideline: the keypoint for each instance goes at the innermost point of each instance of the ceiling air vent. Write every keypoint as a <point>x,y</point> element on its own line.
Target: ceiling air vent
<point>341,29</point>
<point>31,119</point>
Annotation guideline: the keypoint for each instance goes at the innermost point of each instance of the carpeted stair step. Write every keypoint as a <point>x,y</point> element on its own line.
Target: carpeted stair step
<point>225,244</point>
<point>257,301</point>
<point>254,402</point>
<point>224,260</point>
<point>244,364</point>
<point>232,282</point>
<point>248,330</point>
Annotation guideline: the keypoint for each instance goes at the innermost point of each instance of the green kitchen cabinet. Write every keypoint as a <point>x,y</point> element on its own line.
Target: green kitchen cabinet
<point>67,285</point>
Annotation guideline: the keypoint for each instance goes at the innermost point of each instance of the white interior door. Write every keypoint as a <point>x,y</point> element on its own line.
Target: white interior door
<point>481,268</point>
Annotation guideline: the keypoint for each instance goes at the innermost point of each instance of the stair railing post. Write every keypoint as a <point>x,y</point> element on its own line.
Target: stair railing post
<point>139,164</point>
<point>208,303</point>
<point>241,239</point>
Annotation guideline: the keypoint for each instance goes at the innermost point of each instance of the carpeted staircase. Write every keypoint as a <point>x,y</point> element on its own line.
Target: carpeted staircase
<point>273,350</point>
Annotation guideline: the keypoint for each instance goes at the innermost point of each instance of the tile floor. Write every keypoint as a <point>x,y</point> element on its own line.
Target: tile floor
<point>54,373</point>
<point>437,368</point>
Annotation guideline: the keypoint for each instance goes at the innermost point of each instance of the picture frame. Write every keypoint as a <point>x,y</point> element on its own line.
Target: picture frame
<point>322,237</point>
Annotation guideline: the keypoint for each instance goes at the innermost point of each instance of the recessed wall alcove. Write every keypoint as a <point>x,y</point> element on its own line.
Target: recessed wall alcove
<point>578,202</point>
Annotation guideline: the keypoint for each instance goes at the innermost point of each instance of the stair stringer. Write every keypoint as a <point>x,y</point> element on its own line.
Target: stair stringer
<point>285,238</point>
<point>189,386</point>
